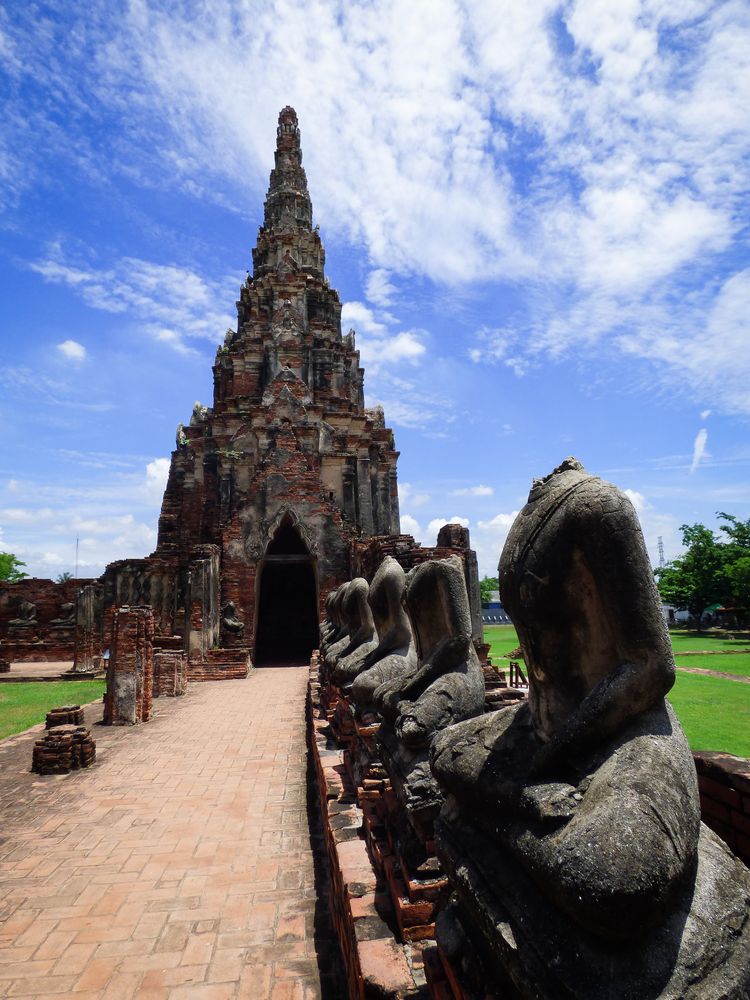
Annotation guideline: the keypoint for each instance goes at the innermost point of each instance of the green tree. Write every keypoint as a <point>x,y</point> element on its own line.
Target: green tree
<point>486,588</point>
<point>698,579</point>
<point>9,567</point>
<point>64,577</point>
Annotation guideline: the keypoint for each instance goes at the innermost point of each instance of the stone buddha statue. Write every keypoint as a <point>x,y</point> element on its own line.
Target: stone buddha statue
<point>395,655</point>
<point>363,638</point>
<point>572,825</point>
<point>447,685</point>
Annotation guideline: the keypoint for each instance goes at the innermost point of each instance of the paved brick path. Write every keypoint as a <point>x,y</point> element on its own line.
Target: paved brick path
<point>179,866</point>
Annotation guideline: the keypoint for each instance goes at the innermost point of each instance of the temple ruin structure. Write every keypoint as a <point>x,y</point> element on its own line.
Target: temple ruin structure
<point>279,491</point>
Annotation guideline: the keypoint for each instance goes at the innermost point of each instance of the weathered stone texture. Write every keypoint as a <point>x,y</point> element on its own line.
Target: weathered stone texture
<point>571,832</point>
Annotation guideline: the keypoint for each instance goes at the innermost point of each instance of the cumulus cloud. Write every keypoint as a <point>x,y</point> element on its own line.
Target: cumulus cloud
<point>699,448</point>
<point>488,539</point>
<point>410,526</point>
<point>72,350</point>
<point>595,152</point>
<point>157,472</point>
<point>408,496</point>
<point>473,491</point>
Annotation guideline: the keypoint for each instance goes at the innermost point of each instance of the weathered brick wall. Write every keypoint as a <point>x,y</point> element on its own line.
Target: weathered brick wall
<point>130,671</point>
<point>42,640</point>
<point>221,665</point>
<point>170,673</point>
<point>724,785</point>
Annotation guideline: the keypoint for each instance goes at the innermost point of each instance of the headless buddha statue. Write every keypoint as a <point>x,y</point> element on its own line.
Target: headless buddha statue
<point>343,662</point>
<point>584,799</point>
<point>395,654</point>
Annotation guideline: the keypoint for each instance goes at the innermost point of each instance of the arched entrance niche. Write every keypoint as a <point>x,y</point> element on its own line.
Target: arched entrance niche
<point>287,617</point>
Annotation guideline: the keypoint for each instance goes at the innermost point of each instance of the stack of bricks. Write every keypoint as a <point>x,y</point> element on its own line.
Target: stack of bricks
<point>377,964</point>
<point>66,715</point>
<point>130,671</point>
<point>170,673</point>
<point>63,749</point>
<point>724,786</point>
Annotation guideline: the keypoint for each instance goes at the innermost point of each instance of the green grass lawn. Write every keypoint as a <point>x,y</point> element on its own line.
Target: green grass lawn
<point>738,664</point>
<point>714,711</point>
<point>23,704</point>
<point>695,641</point>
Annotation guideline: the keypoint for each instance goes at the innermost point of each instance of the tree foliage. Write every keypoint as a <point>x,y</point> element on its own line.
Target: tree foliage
<point>63,577</point>
<point>486,587</point>
<point>712,570</point>
<point>10,567</point>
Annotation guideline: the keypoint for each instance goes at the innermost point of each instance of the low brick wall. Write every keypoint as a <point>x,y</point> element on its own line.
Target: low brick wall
<point>378,965</point>
<point>724,784</point>
<point>221,665</point>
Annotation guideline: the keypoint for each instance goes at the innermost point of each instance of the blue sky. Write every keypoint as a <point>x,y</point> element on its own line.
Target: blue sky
<point>535,213</point>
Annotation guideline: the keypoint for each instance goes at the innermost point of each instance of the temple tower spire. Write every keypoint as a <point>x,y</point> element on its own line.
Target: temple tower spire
<point>288,204</point>
<point>286,239</point>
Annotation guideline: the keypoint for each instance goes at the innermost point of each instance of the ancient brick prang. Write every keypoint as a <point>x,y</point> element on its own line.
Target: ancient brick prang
<point>287,468</point>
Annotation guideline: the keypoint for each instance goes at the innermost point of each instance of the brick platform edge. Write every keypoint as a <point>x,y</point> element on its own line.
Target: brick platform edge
<point>378,966</point>
<point>221,665</point>
<point>724,785</point>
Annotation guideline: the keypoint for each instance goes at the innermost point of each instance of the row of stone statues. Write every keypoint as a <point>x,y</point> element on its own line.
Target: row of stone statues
<point>569,825</point>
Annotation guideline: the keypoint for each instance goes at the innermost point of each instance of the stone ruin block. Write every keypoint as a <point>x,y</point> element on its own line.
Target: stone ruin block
<point>63,749</point>
<point>66,715</point>
<point>170,673</point>
<point>130,671</point>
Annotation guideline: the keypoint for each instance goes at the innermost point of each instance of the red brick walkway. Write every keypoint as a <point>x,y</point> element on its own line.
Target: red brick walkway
<point>179,866</point>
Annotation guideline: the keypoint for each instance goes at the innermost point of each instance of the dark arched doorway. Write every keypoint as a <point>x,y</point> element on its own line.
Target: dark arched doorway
<point>287,630</point>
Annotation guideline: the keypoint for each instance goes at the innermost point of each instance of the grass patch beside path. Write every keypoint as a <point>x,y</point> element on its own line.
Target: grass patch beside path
<point>683,642</point>
<point>714,712</point>
<point>26,703</point>
<point>739,664</point>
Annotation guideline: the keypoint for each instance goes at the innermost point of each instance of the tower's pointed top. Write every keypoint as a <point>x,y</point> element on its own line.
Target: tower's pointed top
<point>288,201</point>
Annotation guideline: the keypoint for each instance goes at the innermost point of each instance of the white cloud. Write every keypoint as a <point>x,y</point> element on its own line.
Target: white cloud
<point>362,318</point>
<point>699,448</point>
<point>488,539</point>
<point>410,526</point>
<point>72,350</point>
<point>169,303</point>
<point>157,472</point>
<point>473,491</point>
<point>705,414</point>
<point>408,495</point>
<point>637,499</point>
<point>596,152</point>
<point>379,289</point>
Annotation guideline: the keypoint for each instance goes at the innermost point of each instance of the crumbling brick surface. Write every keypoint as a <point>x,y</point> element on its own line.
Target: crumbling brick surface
<point>50,632</point>
<point>380,959</point>
<point>130,671</point>
<point>724,786</point>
